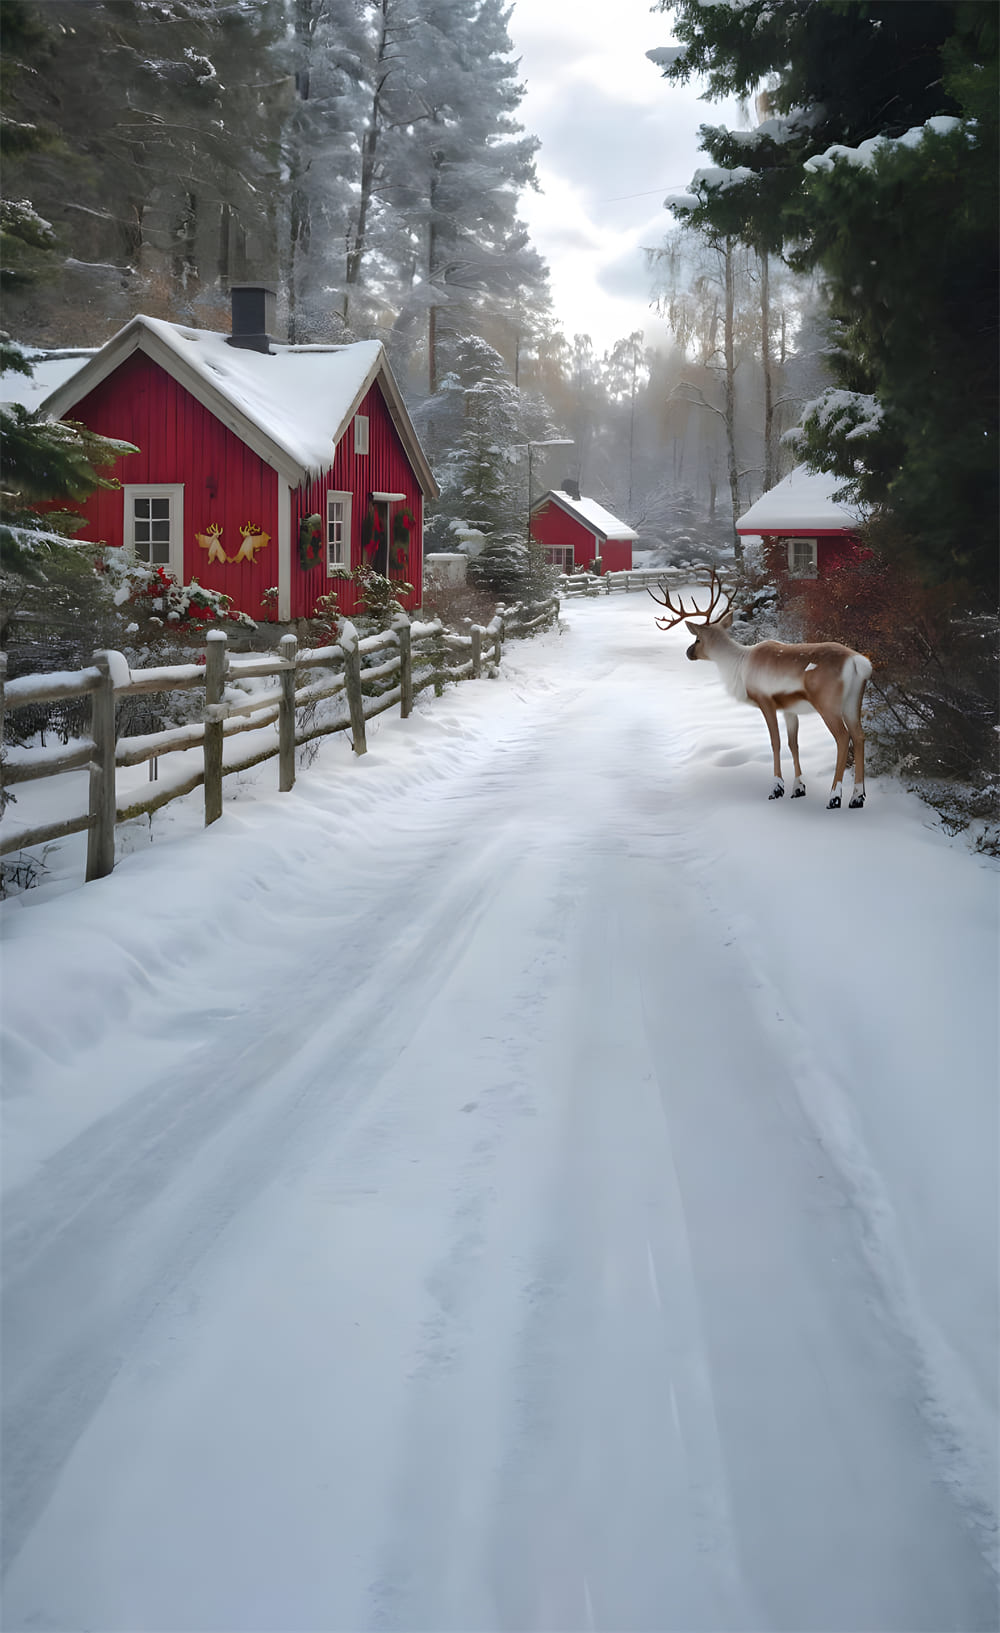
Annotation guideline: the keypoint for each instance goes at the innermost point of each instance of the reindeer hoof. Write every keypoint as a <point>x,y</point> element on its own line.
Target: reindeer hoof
<point>857,802</point>
<point>798,792</point>
<point>777,792</point>
<point>833,803</point>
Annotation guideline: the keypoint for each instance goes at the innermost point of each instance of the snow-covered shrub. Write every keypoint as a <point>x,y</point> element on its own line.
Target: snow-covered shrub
<point>510,569</point>
<point>457,605</point>
<point>380,596</point>
<point>157,601</point>
<point>325,620</point>
<point>932,714</point>
<point>756,609</point>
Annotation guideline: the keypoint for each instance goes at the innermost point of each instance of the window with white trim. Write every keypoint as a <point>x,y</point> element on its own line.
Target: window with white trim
<point>154,524</point>
<point>802,558</point>
<point>361,433</point>
<point>559,555</point>
<point>338,533</point>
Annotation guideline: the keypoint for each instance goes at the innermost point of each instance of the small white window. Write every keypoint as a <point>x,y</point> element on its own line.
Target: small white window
<point>361,433</point>
<point>154,525</point>
<point>802,558</point>
<point>338,532</point>
<point>559,555</point>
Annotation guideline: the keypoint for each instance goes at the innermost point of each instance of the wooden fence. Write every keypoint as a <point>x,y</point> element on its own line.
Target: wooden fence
<point>409,657</point>
<point>636,578</point>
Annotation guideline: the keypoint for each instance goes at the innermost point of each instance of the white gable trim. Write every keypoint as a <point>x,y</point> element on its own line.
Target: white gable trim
<point>284,550</point>
<point>623,534</point>
<point>138,335</point>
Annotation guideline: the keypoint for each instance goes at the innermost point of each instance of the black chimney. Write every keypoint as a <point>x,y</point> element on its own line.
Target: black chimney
<point>254,307</point>
<point>571,487</point>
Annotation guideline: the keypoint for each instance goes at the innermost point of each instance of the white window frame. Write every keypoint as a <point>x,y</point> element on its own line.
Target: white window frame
<point>174,491</point>
<point>361,433</point>
<point>337,567</point>
<point>802,569</point>
<point>564,552</point>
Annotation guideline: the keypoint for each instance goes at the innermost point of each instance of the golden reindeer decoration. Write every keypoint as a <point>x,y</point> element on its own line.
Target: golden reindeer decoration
<point>253,540</point>
<point>210,541</point>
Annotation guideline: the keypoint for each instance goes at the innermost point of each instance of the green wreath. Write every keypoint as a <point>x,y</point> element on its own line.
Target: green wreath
<point>403,524</point>
<point>371,530</point>
<point>310,541</point>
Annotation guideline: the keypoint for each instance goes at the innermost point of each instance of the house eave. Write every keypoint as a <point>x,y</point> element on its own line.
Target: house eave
<point>629,536</point>
<point>783,532</point>
<point>137,336</point>
<point>392,396</point>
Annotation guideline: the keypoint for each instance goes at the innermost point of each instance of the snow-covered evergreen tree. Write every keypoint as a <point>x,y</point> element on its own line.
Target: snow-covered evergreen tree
<point>876,164</point>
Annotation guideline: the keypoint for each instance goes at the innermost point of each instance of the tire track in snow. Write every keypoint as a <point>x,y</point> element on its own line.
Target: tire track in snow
<point>118,1219</point>
<point>630,1334</point>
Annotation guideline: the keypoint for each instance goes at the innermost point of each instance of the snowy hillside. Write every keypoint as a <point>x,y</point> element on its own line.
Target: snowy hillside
<point>522,1179</point>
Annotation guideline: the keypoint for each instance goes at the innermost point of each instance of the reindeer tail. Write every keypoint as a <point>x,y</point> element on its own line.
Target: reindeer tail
<point>857,674</point>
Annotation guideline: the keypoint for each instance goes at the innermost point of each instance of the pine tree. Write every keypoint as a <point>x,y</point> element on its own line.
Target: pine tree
<point>468,159</point>
<point>901,221</point>
<point>43,461</point>
<point>162,176</point>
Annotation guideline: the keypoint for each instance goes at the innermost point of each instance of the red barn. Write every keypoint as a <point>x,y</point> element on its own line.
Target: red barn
<point>261,466</point>
<point>573,531</point>
<point>821,533</point>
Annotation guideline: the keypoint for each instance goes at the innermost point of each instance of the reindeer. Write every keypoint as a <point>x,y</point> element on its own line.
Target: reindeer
<point>774,675</point>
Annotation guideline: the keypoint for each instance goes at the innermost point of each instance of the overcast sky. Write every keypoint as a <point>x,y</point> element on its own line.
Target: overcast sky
<point>616,138</point>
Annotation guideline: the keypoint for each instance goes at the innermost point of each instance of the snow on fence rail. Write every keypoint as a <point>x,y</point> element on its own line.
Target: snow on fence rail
<point>634,578</point>
<point>415,654</point>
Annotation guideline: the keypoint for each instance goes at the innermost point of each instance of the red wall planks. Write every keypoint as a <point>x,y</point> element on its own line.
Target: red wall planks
<point>384,469</point>
<point>555,526</point>
<point>225,483</point>
<point>228,487</point>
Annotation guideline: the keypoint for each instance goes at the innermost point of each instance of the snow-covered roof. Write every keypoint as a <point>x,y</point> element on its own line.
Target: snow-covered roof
<point>591,514</point>
<point>49,370</point>
<point>802,502</point>
<point>291,405</point>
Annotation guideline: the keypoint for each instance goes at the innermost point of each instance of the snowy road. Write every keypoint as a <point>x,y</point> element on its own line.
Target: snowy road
<point>523,1180</point>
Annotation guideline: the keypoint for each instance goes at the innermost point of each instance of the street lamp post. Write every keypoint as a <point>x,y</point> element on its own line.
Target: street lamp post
<point>550,442</point>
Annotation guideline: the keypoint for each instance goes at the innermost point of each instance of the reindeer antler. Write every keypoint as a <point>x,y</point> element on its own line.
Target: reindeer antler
<point>680,611</point>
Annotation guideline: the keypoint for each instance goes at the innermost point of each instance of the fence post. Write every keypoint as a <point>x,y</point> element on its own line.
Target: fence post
<point>498,644</point>
<point>288,647</point>
<point>101,834</point>
<point>216,661</point>
<point>439,658</point>
<point>355,700</point>
<point>401,625</point>
<point>477,651</point>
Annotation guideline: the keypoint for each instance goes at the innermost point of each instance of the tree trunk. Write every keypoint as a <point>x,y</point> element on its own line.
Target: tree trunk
<point>357,242</point>
<point>631,431</point>
<point>765,353</point>
<point>185,236</point>
<point>730,410</point>
<point>432,312</point>
<point>432,383</point>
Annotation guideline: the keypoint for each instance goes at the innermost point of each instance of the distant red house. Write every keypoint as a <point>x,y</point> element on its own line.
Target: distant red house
<point>820,533</point>
<point>572,532</point>
<point>261,466</point>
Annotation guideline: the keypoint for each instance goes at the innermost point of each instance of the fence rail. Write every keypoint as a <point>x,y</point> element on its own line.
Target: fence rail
<point>635,578</point>
<point>408,658</point>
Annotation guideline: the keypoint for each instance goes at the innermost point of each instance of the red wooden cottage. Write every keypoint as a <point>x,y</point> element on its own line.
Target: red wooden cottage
<point>572,532</point>
<point>261,466</point>
<point>820,532</point>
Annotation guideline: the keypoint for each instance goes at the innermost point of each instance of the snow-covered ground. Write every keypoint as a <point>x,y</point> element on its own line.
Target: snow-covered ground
<point>522,1179</point>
